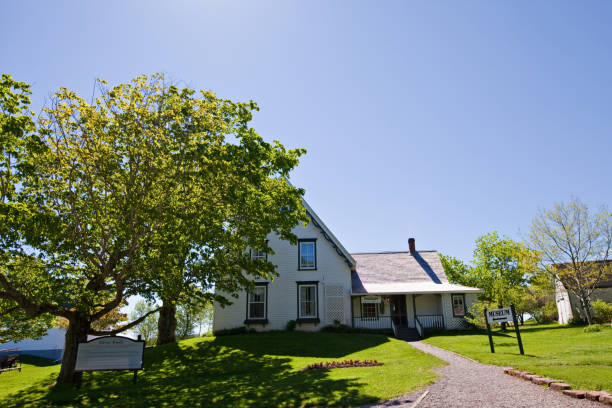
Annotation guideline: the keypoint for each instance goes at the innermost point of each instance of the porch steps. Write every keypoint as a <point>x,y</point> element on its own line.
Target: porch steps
<point>407,333</point>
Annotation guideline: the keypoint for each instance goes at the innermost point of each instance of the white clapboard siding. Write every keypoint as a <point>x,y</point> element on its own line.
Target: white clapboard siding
<point>332,271</point>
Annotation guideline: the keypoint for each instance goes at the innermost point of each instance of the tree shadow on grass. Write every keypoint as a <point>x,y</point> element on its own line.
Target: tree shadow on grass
<point>226,372</point>
<point>528,329</point>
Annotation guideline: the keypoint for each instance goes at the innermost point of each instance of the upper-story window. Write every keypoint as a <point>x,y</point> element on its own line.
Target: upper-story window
<point>255,255</point>
<point>307,254</point>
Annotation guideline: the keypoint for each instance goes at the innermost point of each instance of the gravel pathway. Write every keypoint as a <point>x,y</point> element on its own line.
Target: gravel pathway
<point>465,383</point>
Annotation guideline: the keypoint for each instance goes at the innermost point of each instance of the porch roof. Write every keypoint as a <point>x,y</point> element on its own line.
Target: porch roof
<point>402,273</point>
<point>401,288</point>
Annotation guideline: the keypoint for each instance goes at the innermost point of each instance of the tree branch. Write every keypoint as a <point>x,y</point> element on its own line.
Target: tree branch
<point>124,327</point>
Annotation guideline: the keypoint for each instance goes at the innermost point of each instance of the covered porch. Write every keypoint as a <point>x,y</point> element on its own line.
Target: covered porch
<point>389,311</point>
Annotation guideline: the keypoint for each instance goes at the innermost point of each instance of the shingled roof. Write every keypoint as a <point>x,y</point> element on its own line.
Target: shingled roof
<point>401,272</point>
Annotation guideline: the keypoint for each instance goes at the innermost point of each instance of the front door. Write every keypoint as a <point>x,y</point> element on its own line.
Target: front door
<point>398,310</point>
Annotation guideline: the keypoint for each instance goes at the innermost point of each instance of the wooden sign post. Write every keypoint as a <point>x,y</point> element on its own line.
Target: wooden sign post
<point>489,331</point>
<point>505,315</point>
<point>516,329</point>
<point>110,353</point>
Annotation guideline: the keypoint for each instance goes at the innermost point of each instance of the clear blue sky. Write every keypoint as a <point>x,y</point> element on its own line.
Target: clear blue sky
<point>438,120</point>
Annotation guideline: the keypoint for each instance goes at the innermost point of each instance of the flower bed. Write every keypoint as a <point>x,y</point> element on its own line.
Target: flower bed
<point>341,364</point>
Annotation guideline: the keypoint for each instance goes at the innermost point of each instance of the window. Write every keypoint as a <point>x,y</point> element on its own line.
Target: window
<point>307,254</point>
<point>368,310</point>
<point>258,255</point>
<point>307,301</point>
<point>256,303</point>
<point>458,305</point>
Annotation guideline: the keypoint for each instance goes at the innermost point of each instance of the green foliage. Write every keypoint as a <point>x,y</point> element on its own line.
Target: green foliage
<point>17,325</point>
<point>576,321</point>
<point>15,125</point>
<point>583,360</point>
<point>546,313</point>
<point>246,371</point>
<point>192,316</point>
<point>231,332</point>
<point>151,189</point>
<point>459,272</point>
<point>343,328</point>
<point>148,327</point>
<point>500,267</point>
<point>593,328</point>
<point>475,316</point>
<point>500,264</point>
<point>602,311</point>
<point>290,326</point>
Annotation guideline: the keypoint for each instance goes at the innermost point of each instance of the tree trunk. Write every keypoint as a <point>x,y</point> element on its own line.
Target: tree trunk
<point>166,325</point>
<point>586,308</point>
<point>76,333</point>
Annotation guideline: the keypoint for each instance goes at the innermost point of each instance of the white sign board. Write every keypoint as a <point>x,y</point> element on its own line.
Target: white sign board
<point>370,299</point>
<point>110,353</point>
<point>499,315</point>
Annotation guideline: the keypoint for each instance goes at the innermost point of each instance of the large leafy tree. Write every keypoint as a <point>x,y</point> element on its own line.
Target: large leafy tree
<point>101,186</point>
<point>575,246</point>
<point>500,267</point>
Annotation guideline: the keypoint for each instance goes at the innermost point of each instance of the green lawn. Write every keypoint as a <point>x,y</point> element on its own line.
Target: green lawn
<point>35,370</point>
<point>242,370</point>
<point>584,360</point>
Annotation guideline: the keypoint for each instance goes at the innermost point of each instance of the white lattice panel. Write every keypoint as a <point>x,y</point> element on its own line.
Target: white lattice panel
<point>334,303</point>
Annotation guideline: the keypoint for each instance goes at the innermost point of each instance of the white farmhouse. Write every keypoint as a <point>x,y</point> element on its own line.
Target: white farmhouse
<point>320,283</point>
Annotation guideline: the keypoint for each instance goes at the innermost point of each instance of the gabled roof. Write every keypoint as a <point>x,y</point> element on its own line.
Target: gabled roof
<point>402,272</point>
<point>317,222</point>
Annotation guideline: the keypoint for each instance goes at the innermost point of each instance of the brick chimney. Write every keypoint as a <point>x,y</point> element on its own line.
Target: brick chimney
<point>411,245</point>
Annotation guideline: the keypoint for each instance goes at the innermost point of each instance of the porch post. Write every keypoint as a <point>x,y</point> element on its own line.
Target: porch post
<point>414,307</point>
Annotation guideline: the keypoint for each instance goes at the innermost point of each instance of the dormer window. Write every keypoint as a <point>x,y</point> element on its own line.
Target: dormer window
<point>307,254</point>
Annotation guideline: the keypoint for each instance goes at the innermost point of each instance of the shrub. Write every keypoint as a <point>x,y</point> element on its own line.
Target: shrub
<point>475,316</point>
<point>576,321</point>
<point>603,311</point>
<point>290,325</point>
<point>229,332</point>
<point>592,328</point>
<point>343,328</point>
<point>546,313</point>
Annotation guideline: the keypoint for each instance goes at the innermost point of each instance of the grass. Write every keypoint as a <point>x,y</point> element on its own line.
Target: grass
<point>583,360</point>
<point>35,370</point>
<point>242,370</point>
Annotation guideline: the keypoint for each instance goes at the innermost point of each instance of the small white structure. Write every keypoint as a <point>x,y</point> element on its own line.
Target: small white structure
<point>568,305</point>
<point>320,283</point>
<point>50,346</point>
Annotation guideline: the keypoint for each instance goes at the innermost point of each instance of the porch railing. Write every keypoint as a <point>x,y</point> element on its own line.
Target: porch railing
<point>374,323</point>
<point>431,321</point>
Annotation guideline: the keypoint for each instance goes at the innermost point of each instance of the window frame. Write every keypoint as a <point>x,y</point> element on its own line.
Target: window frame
<point>258,256</point>
<point>259,320</point>
<point>308,319</point>
<point>462,295</point>
<point>376,307</point>
<point>314,243</point>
